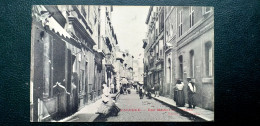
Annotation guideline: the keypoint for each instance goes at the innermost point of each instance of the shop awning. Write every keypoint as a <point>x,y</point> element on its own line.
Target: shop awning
<point>54,25</point>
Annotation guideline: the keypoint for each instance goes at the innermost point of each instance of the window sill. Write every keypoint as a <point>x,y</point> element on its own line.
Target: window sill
<point>207,80</point>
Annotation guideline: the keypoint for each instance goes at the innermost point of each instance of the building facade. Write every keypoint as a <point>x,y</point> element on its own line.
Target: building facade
<point>188,51</point>
<point>138,71</point>
<point>73,52</point>
<point>153,45</point>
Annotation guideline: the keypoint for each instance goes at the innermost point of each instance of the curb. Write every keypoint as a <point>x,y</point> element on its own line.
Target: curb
<point>183,111</point>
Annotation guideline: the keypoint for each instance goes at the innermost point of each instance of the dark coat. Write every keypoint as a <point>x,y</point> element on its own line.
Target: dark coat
<point>156,87</point>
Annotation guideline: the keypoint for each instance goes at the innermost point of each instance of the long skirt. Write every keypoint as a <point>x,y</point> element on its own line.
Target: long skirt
<point>175,95</point>
<point>108,109</point>
<point>180,99</point>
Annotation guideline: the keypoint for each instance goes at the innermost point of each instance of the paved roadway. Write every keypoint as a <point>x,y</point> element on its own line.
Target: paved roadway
<point>135,109</point>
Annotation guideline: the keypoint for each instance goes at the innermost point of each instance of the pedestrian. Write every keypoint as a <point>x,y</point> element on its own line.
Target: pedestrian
<point>141,92</point>
<point>148,90</point>
<point>112,88</point>
<point>121,89</point>
<point>191,94</point>
<point>135,86</point>
<point>156,89</point>
<point>108,106</point>
<point>179,98</point>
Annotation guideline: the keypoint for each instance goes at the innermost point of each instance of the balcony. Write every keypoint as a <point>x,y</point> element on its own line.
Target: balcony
<point>159,60</point>
<point>80,16</point>
<point>81,30</point>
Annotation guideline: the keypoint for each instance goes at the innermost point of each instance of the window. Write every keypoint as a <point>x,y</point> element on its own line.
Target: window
<point>208,59</point>
<point>169,71</point>
<point>191,17</point>
<point>180,23</point>
<point>99,44</point>
<point>86,76</point>
<point>157,51</point>
<point>157,32</point>
<point>192,64</point>
<point>81,84</point>
<point>161,21</point>
<point>181,67</point>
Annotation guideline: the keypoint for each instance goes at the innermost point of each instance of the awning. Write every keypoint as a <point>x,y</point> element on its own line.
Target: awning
<point>54,25</point>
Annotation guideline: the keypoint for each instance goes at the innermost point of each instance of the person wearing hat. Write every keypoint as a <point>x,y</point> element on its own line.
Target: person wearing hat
<point>191,93</point>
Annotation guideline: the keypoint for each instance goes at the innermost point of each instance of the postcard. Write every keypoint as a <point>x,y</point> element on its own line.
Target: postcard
<point>106,63</point>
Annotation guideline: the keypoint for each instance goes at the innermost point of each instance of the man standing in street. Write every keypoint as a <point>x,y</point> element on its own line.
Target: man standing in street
<point>156,89</point>
<point>191,93</point>
<point>112,88</point>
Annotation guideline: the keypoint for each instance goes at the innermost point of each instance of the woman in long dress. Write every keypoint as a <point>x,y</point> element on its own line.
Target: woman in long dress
<point>108,106</point>
<point>180,99</point>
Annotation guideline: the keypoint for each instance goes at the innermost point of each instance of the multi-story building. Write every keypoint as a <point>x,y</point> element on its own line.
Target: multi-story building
<point>73,51</point>
<point>153,46</point>
<point>108,44</point>
<point>138,71</point>
<point>188,51</point>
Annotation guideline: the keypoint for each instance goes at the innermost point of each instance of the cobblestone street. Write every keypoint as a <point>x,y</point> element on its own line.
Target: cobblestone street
<point>135,109</point>
<point>80,54</point>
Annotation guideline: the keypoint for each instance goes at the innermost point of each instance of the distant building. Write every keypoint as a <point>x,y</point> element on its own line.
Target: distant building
<point>153,45</point>
<point>138,71</point>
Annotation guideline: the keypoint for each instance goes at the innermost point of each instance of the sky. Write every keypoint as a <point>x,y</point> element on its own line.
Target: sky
<point>130,28</point>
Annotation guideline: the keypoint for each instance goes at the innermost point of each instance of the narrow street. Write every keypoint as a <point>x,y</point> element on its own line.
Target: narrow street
<point>135,109</point>
<point>82,52</point>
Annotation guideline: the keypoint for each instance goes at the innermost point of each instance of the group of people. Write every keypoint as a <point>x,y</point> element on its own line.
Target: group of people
<point>148,90</point>
<point>179,96</point>
<point>125,89</point>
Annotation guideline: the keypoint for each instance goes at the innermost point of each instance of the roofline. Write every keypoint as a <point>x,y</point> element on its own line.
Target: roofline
<point>149,14</point>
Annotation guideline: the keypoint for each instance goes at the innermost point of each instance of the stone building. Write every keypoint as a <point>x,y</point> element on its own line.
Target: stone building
<point>53,57</point>
<point>73,51</point>
<point>188,46</point>
<point>138,71</point>
<point>153,45</point>
<point>108,44</point>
